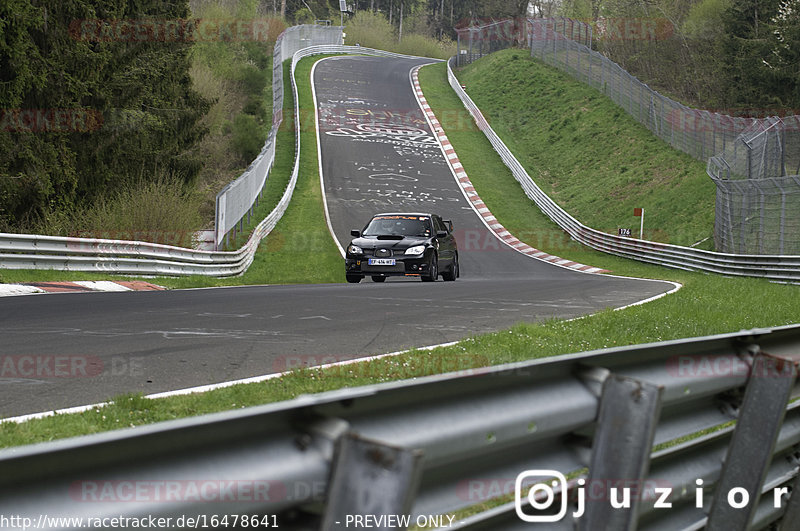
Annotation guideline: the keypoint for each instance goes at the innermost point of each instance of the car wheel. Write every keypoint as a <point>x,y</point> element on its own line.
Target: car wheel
<point>378,279</point>
<point>453,273</point>
<point>433,270</point>
<point>353,279</point>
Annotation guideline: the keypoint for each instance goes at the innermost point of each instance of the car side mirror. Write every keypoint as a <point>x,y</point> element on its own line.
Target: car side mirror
<point>441,234</point>
<point>355,233</point>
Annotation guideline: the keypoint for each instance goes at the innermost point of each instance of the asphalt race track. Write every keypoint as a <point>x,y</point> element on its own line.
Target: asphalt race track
<point>378,155</point>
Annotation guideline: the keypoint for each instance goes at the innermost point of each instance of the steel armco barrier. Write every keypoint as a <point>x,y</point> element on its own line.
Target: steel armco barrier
<point>775,267</point>
<point>654,418</point>
<point>30,251</point>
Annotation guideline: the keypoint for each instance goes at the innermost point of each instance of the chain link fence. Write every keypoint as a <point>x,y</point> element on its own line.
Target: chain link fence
<point>758,189</point>
<point>753,161</point>
<point>758,216</point>
<point>239,198</point>
<point>290,41</point>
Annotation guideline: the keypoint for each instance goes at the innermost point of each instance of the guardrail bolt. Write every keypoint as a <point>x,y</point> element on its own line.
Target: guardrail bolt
<point>303,441</point>
<point>381,458</point>
<point>347,402</point>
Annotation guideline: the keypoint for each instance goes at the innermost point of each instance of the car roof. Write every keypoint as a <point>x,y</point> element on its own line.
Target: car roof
<point>405,214</point>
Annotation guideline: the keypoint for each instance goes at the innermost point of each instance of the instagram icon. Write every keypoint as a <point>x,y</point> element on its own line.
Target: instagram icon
<point>541,495</point>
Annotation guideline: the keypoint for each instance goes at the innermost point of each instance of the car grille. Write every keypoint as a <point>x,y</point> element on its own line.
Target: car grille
<point>387,254</point>
<point>399,267</point>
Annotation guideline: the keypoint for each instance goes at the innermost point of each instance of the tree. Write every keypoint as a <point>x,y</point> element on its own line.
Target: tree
<point>747,46</point>
<point>110,107</point>
<point>786,49</point>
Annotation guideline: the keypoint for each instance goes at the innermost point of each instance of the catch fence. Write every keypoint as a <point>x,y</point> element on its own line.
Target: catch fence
<point>754,162</point>
<point>239,198</point>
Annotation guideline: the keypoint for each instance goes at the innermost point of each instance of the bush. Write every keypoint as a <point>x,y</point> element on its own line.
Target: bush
<point>248,138</point>
<point>372,30</point>
<point>254,80</point>
<point>303,16</point>
<point>415,44</point>
<point>164,211</point>
<point>255,107</point>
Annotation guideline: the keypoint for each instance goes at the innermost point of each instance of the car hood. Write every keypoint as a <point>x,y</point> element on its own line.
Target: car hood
<point>374,242</point>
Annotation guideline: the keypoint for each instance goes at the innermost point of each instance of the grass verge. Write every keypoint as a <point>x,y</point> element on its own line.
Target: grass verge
<point>588,154</point>
<point>708,304</point>
<point>300,249</point>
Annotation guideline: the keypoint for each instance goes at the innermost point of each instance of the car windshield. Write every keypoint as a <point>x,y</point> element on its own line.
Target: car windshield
<point>399,226</point>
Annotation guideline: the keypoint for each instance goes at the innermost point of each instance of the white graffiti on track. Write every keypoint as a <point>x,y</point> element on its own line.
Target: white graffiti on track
<point>392,177</point>
<point>389,133</point>
<point>429,156</point>
<point>355,195</point>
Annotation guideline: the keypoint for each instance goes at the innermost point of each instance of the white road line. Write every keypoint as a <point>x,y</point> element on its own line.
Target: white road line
<point>212,387</point>
<point>255,379</point>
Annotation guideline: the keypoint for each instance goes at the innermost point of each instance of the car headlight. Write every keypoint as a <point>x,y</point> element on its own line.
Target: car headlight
<point>417,249</point>
<point>354,249</point>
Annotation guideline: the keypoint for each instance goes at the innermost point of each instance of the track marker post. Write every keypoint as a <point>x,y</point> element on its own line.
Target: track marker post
<point>639,212</point>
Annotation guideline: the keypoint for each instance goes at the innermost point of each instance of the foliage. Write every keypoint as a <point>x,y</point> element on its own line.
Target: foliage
<point>247,138</point>
<point>787,48</point>
<point>162,210</point>
<point>373,30</point>
<point>705,18</point>
<point>737,56</point>
<point>131,112</point>
<point>415,44</point>
<point>237,77</point>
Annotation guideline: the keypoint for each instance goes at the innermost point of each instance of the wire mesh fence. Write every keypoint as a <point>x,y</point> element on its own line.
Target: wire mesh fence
<point>758,216</point>
<point>291,40</point>
<point>239,198</point>
<point>753,161</point>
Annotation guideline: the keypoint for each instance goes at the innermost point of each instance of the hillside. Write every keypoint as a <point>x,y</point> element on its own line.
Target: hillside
<point>588,154</point>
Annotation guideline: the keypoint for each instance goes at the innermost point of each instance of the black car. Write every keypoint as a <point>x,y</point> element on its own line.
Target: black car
<point>402,244</point>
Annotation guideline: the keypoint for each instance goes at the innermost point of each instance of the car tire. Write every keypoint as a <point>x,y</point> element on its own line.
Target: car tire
<point>433,270</point>
<point>354,279</point>
<point>453,273</point>
<point>378,279</point>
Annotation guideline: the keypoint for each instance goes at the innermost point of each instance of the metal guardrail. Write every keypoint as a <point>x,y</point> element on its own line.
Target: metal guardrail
<point>774,267</point>
<point>31,251</point>
<point>239,197</point>
<point>648,417</point>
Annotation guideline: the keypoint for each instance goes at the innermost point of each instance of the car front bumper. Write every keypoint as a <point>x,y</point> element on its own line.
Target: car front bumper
<point>403,266</point>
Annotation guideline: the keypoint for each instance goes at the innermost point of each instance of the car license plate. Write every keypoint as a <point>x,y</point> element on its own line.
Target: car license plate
<point>381,261</point>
